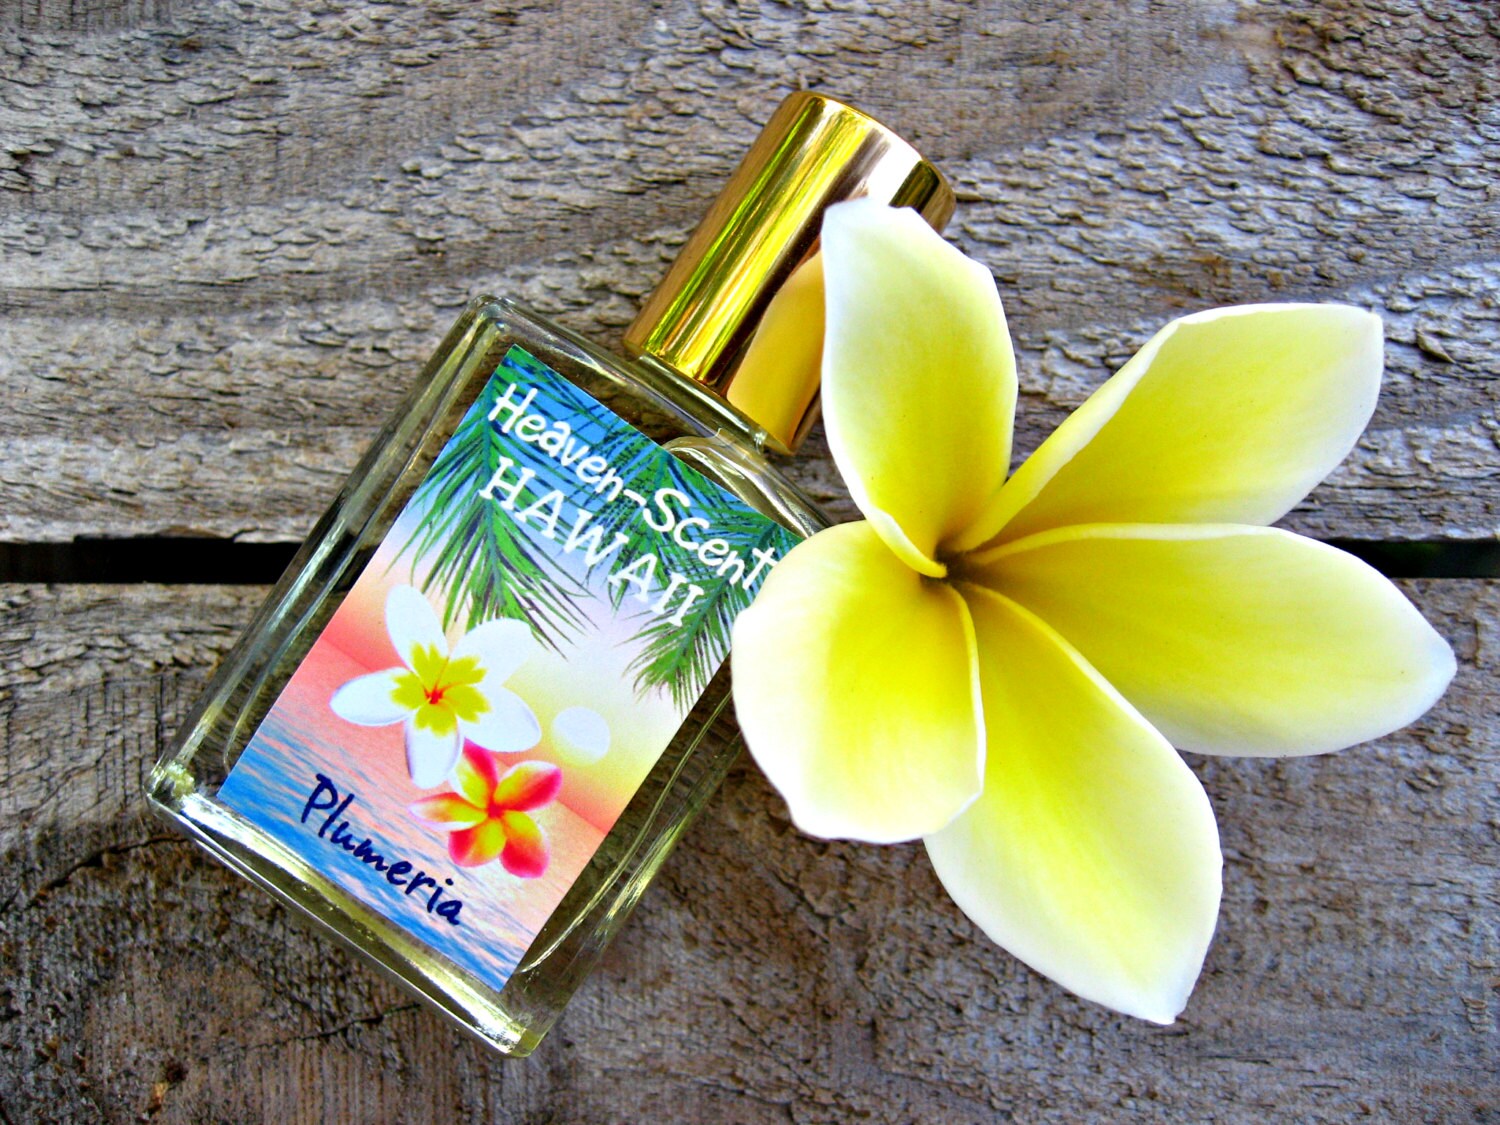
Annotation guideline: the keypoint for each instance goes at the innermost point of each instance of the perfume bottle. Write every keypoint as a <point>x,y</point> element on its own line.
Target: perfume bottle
<point>474,715</point>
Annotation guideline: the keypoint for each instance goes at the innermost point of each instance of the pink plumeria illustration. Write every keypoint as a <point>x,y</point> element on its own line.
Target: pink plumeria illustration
<point>444,696</point>
<point>487,817</point>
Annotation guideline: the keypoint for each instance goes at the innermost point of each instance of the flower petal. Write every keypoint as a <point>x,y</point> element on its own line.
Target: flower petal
<point>1092,853</point>
<point>919,380</point>
<point>413,623</point>
<point>527,785</point>
<point>447,810</point>
<point>1226,416</point>
<point>507,725</point>
<point>476,775</point>
<point>580,735</point>
<point>1234,640</point>
<point>854,683</point>
<point>526,851</point>
<point>369,701</point>
<point>501,646</point>
<point>474,847</point>
<point>430,755</point>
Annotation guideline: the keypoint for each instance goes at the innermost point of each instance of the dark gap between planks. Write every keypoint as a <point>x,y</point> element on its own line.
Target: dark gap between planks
<point>182,561</point>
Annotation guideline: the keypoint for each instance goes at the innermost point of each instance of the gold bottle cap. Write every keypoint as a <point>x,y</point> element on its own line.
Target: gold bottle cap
<point>741,310</point>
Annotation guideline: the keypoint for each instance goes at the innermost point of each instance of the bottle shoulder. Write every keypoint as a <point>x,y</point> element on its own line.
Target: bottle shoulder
<point>753,479</point>
<point>659,389</point>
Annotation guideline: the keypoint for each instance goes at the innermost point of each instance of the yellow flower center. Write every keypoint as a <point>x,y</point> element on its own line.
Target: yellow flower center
<point>440,692</point>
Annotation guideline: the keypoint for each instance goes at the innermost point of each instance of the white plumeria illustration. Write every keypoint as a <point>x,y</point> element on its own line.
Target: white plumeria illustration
<point>444,696</point>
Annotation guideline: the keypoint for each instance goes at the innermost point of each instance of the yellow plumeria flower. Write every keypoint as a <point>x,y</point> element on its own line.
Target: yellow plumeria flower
<point>1003,666</point>
<point>437,691</point>
<point>444,697</point>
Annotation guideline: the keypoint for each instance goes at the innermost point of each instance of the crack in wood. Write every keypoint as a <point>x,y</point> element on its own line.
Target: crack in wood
<point>170,560</point>
<point>93,861</point>
<point>373,1020</point>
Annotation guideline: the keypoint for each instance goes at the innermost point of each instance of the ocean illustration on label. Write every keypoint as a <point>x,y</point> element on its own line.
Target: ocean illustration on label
<point>519,651</point>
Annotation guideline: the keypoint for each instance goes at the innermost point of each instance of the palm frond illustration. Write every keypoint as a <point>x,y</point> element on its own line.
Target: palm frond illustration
<point>481,561</point>
<point>682,655</point>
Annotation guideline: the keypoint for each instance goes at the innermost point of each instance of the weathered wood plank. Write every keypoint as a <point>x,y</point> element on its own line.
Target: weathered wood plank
<point>768,977</point>
<point>231,231</point>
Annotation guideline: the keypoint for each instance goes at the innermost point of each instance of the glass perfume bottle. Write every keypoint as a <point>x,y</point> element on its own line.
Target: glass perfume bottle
<point>474,715</point>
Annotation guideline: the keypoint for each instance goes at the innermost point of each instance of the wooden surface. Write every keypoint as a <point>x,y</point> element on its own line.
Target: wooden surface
<point>228,233</point>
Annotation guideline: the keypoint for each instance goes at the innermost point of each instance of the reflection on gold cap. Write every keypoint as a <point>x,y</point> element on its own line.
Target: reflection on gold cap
<point>741,309</point>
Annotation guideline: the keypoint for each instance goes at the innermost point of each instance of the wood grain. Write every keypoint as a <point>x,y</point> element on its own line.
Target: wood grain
<point>768,977</point>
<point>231,231</point>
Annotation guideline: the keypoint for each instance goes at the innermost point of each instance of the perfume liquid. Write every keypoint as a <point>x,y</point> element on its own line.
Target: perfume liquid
<point>477,711</point>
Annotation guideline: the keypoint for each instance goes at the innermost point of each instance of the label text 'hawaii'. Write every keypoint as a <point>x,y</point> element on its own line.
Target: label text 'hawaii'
<point>667,511</point>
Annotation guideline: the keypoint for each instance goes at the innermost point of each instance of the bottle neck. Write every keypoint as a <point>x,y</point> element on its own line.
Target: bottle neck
<point>753,479</point>
<point>769,379</point>
<point>711,412</point>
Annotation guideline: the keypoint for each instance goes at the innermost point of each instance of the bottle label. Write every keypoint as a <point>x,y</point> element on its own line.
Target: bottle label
<point>524,644</point>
